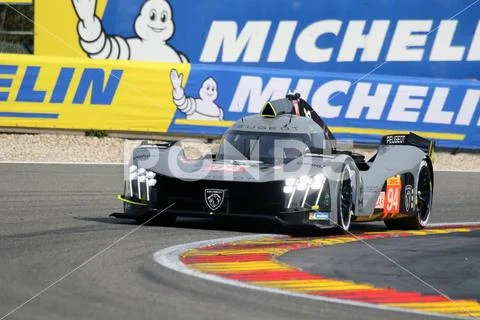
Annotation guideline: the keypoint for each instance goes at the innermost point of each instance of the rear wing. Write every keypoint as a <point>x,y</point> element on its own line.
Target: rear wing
<point>411,139</point>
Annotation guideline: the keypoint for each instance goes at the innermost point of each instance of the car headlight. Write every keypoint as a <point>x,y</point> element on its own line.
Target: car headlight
<point>318,182</point>
<point>303,182</point>
<point>289,185</point>
<point>290,182</point>
<point>133,176</point>
<point>150,175</point>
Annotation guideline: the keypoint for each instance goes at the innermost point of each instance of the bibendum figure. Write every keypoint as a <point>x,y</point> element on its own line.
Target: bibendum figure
<point>202,108</point>
<point>153,28</point>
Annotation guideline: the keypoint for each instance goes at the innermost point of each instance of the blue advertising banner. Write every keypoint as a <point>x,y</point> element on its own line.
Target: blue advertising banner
<point>430,38</point>
<point>356,107</point>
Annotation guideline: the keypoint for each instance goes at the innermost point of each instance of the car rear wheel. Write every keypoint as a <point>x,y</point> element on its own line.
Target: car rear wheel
<point>345,202</point>
<point>424,198</point>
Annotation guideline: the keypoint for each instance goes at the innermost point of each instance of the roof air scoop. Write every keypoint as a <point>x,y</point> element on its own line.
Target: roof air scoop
<point>275,108</point>
<point>269,111</point>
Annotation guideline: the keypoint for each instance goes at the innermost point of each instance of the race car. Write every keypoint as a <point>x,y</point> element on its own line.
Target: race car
<point>284,164</point>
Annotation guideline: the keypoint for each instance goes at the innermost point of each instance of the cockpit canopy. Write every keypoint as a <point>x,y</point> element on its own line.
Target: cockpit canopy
<point>285,130</point>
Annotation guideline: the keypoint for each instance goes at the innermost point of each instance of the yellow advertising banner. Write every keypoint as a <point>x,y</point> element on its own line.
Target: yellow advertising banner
<point>68,93</point>
<point>56,27</point>
<point>17,2</point>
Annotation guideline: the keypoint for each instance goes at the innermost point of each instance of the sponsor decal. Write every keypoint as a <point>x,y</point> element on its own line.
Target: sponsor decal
<point>395,140</point>
<point>409,198</point>
<point>214,198</point>
<point>318,215</point>
<point>392,196</point>
<point>380,201</point>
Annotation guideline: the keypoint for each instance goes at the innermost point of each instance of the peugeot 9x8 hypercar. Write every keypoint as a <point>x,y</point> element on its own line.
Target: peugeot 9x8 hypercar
<point>284,164</point>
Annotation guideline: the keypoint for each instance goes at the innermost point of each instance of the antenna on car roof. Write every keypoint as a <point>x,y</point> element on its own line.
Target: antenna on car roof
<point>291,96</point>
<point>290,120</point>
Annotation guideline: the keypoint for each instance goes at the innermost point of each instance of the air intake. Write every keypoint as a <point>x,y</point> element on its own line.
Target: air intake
<point>275,108</point>
<point>269,111</point>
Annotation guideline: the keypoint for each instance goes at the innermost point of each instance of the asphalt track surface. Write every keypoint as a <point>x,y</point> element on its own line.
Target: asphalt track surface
<point>53,218</point>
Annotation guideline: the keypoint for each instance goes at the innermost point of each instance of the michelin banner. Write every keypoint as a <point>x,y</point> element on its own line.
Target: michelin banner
<point>428,38</point>
<point>65,93</point>
<point>52,92</point>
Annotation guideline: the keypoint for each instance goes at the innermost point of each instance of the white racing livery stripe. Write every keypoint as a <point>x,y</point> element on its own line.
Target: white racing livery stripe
<point>453,224</point>
<point>456,170</point>
<point>170,258</point>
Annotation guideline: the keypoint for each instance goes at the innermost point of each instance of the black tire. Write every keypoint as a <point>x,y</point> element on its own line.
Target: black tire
<point>424,196</point>
<point>345,202</point>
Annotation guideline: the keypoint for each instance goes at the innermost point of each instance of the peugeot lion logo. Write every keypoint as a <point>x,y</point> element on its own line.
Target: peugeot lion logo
<point>214,198</point>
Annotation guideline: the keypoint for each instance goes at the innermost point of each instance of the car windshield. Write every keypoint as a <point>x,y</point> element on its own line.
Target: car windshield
<point>266,147</point>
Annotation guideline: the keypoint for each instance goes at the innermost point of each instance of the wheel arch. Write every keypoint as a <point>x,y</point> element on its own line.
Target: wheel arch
<point>430,166</point>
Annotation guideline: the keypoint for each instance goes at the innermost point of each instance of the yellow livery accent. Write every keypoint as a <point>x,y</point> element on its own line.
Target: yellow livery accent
<point>119,197</point>
<point>269,111</point>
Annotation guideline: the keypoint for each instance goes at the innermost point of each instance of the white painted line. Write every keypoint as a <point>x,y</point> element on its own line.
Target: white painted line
<point>456,170</point>
<point>66,163</point>
<point>453,224</point>
<point>170,258</point>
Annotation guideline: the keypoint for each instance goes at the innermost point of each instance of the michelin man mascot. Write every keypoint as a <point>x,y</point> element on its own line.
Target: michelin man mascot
<point>153,28</point>
<point>203,108</point>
